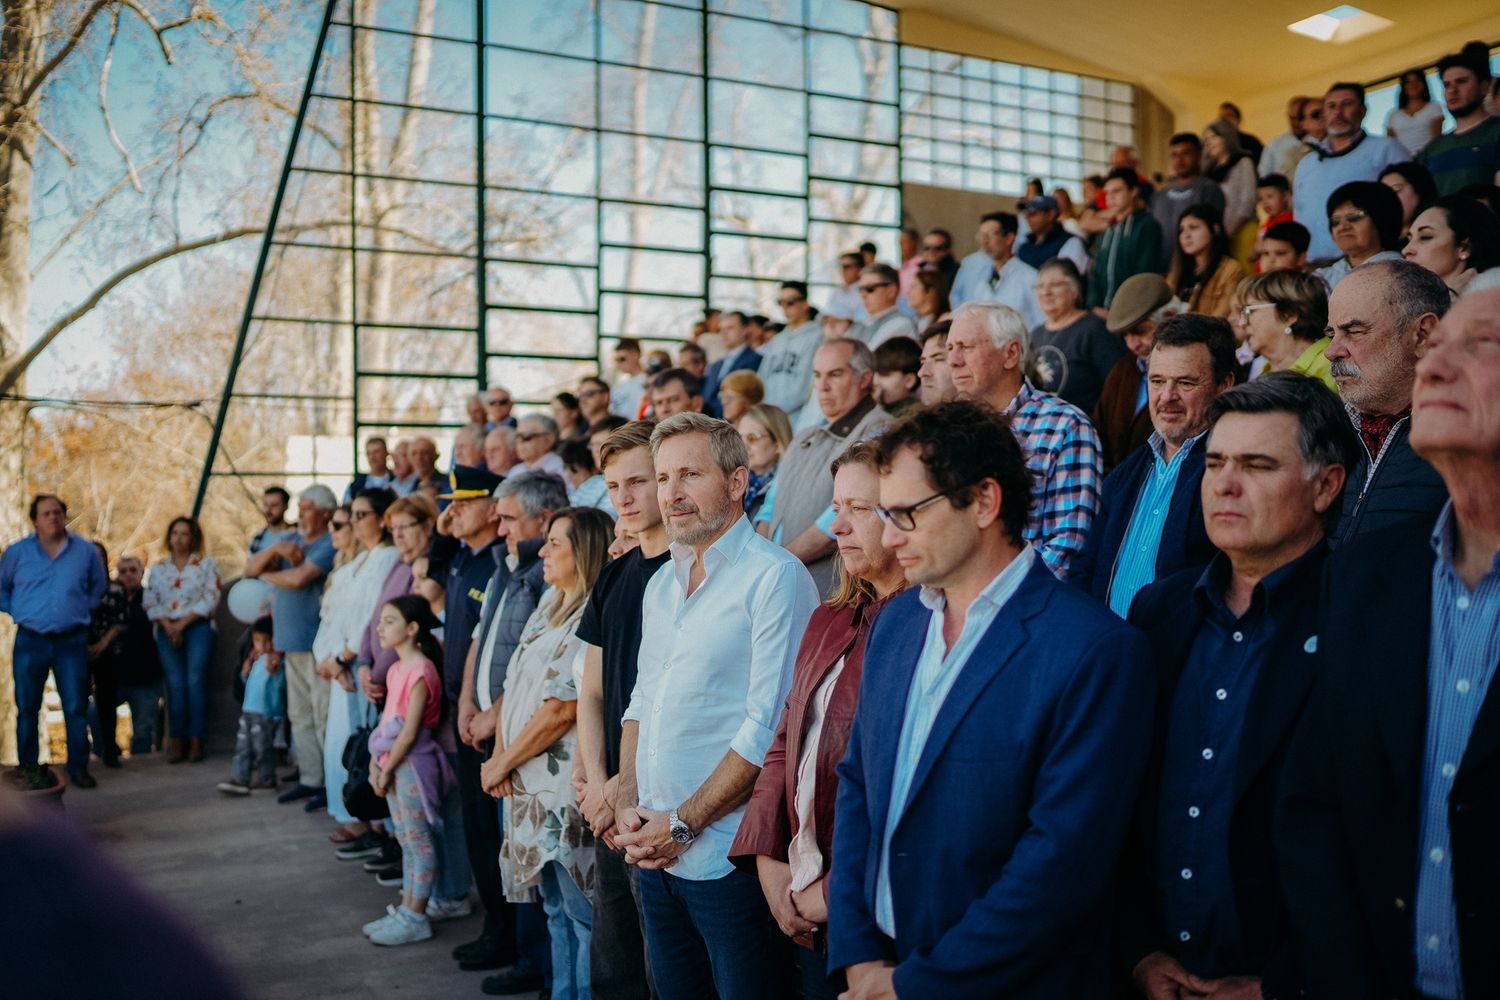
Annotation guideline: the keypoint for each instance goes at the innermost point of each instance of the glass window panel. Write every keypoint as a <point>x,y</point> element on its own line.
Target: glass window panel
<point>758,171</point>
<point>1092,87</point>
<point>563,27</point>
<point>386,59</point>
<point>916,149</point>
<point>1093,130</point>
<point>853,17</point>
<point>758,214</point>
<point>322,354</point>
<point>325,135</point>
<point>826,240</point>
<point>1008,94</point>
<point>415,291</point>
<point>666,171</point>
<point>516,331</point>
<point>1066,104</point>
<point>1066,83</point>
<point>537,380</point>
<point>286,435</point>
<point>911,55</point>
<point>1093,107</point>
<point>833,116</point>
<point>1007,73</point>
<point>916,172</point>
<point>1039,166</point>
<point>1121,92</point>
<point>977,156</point>
<point>945,130</point>
<point>535,87</point>
<point>1036,99</point>
<point>1096,152</point>
<point>842,202</point>
<point>754,52</point>
<point>854,161</point>
<point>1035,76</point>
<point>755,256</point>
<point>405,397</point>
<point>758,117</point>
<point>410,215</point>
<point>854,67</point>
<point>647,315</point>
<point>1008,160</point>
<point>1121,133</point>
<point>651,271</point>
<point>399,351</point>
<point>978,90</point>
<point>1066,126</point>
<point>642,100</point>
<point>948,152</point>
<point>945,175</point>
<point>430,145</point>
<point>784,11</point>
<point>647,34</point>
<point>1010,183</point>
<point>915,79</point>
<point>745,294</point>
<point>976,68</point>
<point>314,209</point>
<point>976,179</point>
<point>1008,117</point>
<point>453,19</point>
<point>947,62</point>
<point>1036,121</point>
<point>948,107</point>
<point>540,227</point>
<point>558,158</point>
<point>1067,147</point>
<point>947,85</point>
<point>1007,138</point>
<point>305,283</point>
<point>919,126</point>
<point>653,225</point>
<point>541,285</point>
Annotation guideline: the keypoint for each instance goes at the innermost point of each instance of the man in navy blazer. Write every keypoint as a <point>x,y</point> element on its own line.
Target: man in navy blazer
<point>1150,521</point>
<point>1002,729</point>
<point>1200,906</point>
<point>741,357</point>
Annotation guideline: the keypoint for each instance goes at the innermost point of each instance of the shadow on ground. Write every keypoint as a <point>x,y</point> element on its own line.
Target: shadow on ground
<point>260,884</point>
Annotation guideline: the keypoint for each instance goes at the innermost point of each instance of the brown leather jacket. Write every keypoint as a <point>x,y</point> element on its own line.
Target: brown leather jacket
<point>770,821</point>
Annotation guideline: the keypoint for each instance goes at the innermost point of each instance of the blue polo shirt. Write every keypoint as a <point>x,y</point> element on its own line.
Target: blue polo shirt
<point>295,613</point>
<point>51,594</point>
<point>468,574</point>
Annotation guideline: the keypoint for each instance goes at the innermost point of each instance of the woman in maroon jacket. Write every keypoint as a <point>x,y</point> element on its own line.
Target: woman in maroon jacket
<point>786,837</point>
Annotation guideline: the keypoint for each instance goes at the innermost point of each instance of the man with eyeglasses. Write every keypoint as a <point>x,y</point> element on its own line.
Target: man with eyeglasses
<point>787,362</point>
<point>937,254</point>
<point>739,356</point>
<point>497,406</point>
<point>1349,154</point>
<point>593,399</point>
<point>880,291</point>
<point>1007,278</point>
<point>536,436</point>
<point>997,748</point>
<point>847,295</point>
<point>629,390</point>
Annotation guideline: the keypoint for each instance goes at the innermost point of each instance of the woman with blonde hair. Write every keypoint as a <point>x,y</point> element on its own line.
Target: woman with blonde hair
<point>739,391</point>
<point>767,431</point>
<point>1285,315</point>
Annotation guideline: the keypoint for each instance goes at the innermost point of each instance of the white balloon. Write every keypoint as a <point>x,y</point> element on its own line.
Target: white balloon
<point>250,600</point>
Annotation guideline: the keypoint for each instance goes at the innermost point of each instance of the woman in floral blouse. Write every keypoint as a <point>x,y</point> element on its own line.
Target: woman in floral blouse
<point>548,845</point>
<point>181,593</point>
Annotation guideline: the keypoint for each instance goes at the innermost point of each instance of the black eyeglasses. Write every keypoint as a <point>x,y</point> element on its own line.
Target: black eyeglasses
<point>530,435</point>
<point>590,393</point>
<point>871,289</point>
<point>360,515</point>
<point>338,525</point>
<point>498,402</point>
<point>905,517</point>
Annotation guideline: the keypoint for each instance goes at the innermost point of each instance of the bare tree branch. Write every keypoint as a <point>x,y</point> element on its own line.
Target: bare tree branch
<point>83,219</point>
<point>109,123</point>
<point>57,144</point>
<point>159,30</point>
<point>75,35</point>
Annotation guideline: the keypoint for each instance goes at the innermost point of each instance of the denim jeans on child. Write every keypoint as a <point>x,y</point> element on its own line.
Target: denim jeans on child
<point>253,749</point>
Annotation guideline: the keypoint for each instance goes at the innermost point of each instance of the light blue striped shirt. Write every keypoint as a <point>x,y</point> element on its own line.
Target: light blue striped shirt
<point>1135,564</point>
<point>936,672</point>
<point>1463,649</point>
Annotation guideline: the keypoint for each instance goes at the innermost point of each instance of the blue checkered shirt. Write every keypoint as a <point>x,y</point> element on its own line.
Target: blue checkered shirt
<point>1463,650</point>
<point>1063,454</point>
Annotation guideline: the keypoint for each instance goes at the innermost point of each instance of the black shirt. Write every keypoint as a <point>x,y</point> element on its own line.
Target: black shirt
<point>467,575</point>
<point>612,621</point>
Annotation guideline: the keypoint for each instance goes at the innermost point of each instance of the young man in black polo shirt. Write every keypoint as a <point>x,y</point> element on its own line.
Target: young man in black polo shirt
<point>611,626</point>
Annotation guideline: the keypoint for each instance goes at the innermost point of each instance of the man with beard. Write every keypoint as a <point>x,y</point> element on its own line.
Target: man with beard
<point>1470,154</point>
<point>723,621</point>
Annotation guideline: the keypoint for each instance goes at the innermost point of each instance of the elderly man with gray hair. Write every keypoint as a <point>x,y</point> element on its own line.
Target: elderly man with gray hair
<point>296,568</point>
<point>536,436</point>
<point>987,349</point>
<point>1379,318</point>
<point>843,377</point>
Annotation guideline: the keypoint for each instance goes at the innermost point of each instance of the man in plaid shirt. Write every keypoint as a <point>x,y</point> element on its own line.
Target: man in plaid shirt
<point>987,349</point>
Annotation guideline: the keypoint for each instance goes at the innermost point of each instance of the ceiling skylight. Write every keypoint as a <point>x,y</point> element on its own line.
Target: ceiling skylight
<point>1343,23</point>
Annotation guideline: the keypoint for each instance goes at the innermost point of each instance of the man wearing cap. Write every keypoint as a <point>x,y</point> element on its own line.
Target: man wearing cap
<point>1048,238</point>
<point>1121,417</point>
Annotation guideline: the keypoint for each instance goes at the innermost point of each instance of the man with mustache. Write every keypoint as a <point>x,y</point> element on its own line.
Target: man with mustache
<point>722,623</point>
<point>1348,154</point>
<point>1379,318</point>
<point>1150,522</point>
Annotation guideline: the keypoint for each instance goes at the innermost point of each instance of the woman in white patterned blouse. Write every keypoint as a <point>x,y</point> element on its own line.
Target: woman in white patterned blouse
<point>181,593</point>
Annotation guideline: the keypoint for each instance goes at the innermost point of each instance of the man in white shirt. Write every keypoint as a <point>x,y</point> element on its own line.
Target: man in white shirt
<point>879,290</point>
<point>626,394</point>
<point>720,625</point>
<point>1010,279</point>
<point>535,438</point>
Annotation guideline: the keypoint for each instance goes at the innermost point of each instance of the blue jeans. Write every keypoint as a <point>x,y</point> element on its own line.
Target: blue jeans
<point>714,936</point>
<point>144,700</point>
<point>186,669</point>
<point>570,920</point>
<point>453,876</point>
<point>66,656</point>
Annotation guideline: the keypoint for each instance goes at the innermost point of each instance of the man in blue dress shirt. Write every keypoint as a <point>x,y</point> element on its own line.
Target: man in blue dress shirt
<point>50,581</point>
<point>1200,907</point>
<point>1002,728</point>
<point>1388,828</point>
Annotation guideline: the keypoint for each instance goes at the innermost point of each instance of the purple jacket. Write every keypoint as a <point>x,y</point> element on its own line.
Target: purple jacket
<point>427,761</point>
<point>397,583</point>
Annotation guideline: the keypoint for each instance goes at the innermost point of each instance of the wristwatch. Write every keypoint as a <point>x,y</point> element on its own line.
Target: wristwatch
<point>681,832</point>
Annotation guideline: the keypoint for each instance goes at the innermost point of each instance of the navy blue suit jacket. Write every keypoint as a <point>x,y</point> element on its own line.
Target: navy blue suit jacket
<point>1002,858</point>
<point>747,360</point>
<point>1184,539</point>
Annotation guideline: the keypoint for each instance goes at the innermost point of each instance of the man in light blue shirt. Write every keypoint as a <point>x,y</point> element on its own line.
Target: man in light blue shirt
<point>1008,278</point>
<point>50,582</point>
<point>1001,732</point>
<point>1349,153</point>
<point>720,629</point>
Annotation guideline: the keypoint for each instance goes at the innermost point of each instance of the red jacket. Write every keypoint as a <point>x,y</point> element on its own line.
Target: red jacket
<point>770,821</point>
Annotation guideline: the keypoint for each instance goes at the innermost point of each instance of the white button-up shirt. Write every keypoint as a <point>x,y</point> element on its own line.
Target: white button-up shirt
<point>713,675</point>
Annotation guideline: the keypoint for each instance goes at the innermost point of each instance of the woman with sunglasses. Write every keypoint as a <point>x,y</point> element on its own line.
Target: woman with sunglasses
<point>1364,218</point>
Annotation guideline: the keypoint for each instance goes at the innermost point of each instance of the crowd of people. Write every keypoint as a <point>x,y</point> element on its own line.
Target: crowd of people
<point>1112,611</point>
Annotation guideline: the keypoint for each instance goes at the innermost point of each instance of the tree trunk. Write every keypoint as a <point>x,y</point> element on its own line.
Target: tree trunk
<point>25,24</point>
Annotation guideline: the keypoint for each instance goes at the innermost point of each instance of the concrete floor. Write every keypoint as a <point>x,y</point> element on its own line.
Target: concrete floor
<point>260,883</point>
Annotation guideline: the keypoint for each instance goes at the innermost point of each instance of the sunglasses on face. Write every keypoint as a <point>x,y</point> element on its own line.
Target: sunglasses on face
<point>338,525</point>
<point>871,289</point>
<point>360,515</point>
<point>1334,221</point>
<point>499,402</point>
<point>530,435</point>
<point>789,302</point>
<point>590,393</point>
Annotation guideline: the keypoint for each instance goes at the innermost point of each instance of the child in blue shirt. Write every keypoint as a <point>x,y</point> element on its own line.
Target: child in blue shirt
<point>263,708</point>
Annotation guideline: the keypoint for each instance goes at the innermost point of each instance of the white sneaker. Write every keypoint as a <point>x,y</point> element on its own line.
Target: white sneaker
<point>448,909</point>
<point>405,928</point>
<point>370,928</point>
